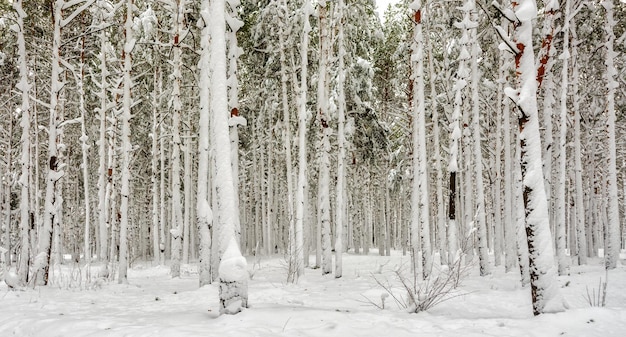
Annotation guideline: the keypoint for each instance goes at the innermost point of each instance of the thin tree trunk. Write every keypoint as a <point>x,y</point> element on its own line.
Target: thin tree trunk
<point>302,161</point>
<point>325,131</point>
<point>480,221</point>
<point>578,168</point>
<point>292,254</point>
<point>54,172</point>
<point>102,142</point>
<point>561,152</point>
<point>125,141</point>
<point>612,232</point>
<point>204,213</point>
<point>25,179</point>
<point>341,139</point>
<point>420,215</point>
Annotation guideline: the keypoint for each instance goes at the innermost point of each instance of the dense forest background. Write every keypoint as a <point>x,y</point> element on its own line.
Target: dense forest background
<point>355,64</point>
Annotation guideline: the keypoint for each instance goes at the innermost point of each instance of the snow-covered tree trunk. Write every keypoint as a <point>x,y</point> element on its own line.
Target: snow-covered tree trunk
<point>325,131</point>
<point>544,287</point>
<point>25,178</point>
<point>179,32</point>
<point>341,142</point>
<point>510,232</point>
<point>498,238</point>
<point>203,213</point>
<point>480,221</point>
<point>154,178</point>
<point>103,14</point>
<point>420,222</point>
<point>232,270</point>
<point>187,194</point>
<point>612,234</point>
<point>79,76</point>
<point>126,146</point>
<point>545,78</point>
<point>441,215</point>
<point>234,51</point>
<point>561,153</point>
<point>455,137</point>
<point>301,197</point>
<point>55,168</point>
<point>581,236</point>
<point>292,273</point>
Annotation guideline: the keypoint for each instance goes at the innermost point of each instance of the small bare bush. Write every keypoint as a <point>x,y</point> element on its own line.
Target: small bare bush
<point>597,297</point>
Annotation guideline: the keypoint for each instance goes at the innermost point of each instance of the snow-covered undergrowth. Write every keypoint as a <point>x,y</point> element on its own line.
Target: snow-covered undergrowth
<point>153,304</point>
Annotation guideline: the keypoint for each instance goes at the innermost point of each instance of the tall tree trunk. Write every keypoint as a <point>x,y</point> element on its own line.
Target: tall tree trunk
<point>55,169</point>
<point>544,288</point>
<point>480,222</point>
<point>301,197</point>
<point>25,178</point>
<point>510,232</point>
<point>125,141</point>
<point>103,196</point>
<point>233,275</point>
<point>341,146</point>
<point>420,215</point>
<point>441,216</point>
<point>178,31</point>
<point>233,101</point>
<point>325,131</point>
<point>561,153</point>
<point>612,232</point>
<point>204,213</point>
<point>80,79</point>
<point>292,254</point>
<point>581,235</point>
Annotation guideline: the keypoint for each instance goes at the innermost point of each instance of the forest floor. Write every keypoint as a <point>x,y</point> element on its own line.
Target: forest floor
<point>154,304</point>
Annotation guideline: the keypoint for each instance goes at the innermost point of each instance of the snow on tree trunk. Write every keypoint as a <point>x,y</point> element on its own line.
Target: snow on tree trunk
<point>509,218</point>
<point>480,222</point>
<point>561,153</point>
<point>581,236</point>
<point>441,215</point>
<point>455,137</point>
<point>325,131</point>
<point>232,269</point>
<point>233,280</point>
<point>301,197</point>
<point>234,51</point>
<point>341,140</point>
<point>103,14</point>
<point>154,178</point>
<point>292,273</point>
<point>179,32</point>
<point>544,75</point>
<point>126,146</point>
<point>544,287</point>
<point>187,194</point>
<point>203,213</point>
<point>612,243</point>
<point>25,183</point>
<point>84,139</point>
<point>55,168</point>
<point>498,235</point>
<point>420,222</point>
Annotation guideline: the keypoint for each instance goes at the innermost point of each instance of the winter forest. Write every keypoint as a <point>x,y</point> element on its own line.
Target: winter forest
<point>314,168</point>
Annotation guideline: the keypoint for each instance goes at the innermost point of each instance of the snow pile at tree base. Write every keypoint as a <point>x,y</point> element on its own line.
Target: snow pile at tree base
<point>233,273</point>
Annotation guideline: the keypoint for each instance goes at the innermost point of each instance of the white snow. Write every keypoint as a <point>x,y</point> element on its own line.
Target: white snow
<point>153,304</point>
<point>233,266</point>
<point>526,10</point>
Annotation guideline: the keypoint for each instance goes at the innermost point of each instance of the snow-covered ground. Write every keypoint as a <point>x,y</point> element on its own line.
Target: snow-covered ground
<point>153,304</point>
